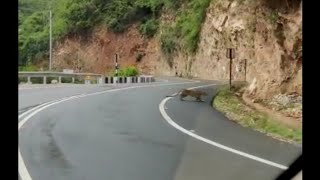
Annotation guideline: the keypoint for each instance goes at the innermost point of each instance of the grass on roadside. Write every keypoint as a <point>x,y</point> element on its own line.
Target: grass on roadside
<point>228,103</point>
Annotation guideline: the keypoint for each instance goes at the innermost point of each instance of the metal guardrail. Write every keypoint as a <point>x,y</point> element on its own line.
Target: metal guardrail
<point>49,74</point>
<point>45,74</point>
<point>101,79</point>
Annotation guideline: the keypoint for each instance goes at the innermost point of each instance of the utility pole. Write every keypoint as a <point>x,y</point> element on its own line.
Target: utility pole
<point>50,55</point>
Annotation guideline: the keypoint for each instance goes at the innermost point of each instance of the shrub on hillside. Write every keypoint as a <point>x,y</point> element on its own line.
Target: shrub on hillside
<point>149,28</point>
<point>128,71</point>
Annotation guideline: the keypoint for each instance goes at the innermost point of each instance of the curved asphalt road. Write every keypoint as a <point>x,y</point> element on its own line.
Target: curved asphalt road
<point>120,135</point>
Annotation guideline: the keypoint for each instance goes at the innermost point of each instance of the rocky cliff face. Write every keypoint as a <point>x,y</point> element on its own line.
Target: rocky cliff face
<point>267,42</point>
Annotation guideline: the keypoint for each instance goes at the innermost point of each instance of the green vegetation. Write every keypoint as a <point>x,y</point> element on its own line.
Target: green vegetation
<point>226,102</point>
<point>128,71</point>
<point>79,81</point>
<point>28,68</point>
<point>149,27</point>
<point>189,23</point>
<point>33,30</point>
<point>22,80</point>
<point>185,32</point>
<point>273,17</point>
<point>168,41</point>
<point>36,80</point>
<point>79,17</point>
<point>66,79</point>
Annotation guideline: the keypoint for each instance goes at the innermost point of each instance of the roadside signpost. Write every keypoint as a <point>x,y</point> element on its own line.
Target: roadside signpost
<point>116,67</point>
<point>116,61</point>
<point>231,55</point>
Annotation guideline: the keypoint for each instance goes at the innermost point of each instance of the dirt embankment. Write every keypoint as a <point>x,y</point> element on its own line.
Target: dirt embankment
<point>287,119</point>
<point>97,52</point>
<point>267,37</point>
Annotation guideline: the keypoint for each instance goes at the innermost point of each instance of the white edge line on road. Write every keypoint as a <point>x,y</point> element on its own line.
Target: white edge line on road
<point>90,85</point>
<point>175,125</point>
<point>41,105</point>
<point>24,174</point>
<point>101,92</point>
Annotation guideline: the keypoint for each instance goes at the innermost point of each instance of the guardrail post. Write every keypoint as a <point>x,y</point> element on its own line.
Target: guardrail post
<point>128,79</point>
<point>115,80</point>
<point>60,75</point>
<point>139,79</point>
<point>29,80</point>
<point>102,80</point>
<point>44,79</point>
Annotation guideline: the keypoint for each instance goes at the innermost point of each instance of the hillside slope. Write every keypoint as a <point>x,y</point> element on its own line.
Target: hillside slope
<point>266,34</point>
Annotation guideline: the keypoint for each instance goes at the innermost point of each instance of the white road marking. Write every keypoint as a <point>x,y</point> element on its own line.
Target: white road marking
<point>197,87</point>
<point>37,107</point>
<point>190,133</point>
<point>24,174</point>
<point>87,85</point>
<point>101,92</point>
